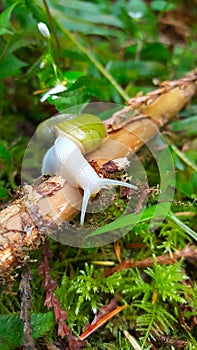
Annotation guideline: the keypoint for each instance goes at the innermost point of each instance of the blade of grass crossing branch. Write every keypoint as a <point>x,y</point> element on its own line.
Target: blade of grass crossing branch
<point>147,214</point>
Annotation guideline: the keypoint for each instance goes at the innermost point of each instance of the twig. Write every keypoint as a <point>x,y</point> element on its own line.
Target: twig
<point>52,302</point>
<point>187,252</point>
<point>104,315</point>
<point>163,340</point>
<point>25,315</point>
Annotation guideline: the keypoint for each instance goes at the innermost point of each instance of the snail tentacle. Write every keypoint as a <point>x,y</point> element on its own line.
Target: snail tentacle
<point>86,197</point>
<point>107,183</point>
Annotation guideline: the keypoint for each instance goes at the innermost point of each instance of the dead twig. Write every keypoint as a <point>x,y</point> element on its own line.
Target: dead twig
<point>187,252</point>
<point>52,302</point>
<point>25,315</point>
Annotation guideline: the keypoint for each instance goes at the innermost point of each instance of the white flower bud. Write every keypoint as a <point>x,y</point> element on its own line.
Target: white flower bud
<point>42,65</point>
<point>44,30</point>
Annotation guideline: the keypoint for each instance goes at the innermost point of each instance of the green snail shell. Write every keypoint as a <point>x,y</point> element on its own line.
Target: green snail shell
<point>86,130</point>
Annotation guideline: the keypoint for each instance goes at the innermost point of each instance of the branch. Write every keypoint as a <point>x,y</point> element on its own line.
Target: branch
<point>188,251</point>
<point>48,202</point>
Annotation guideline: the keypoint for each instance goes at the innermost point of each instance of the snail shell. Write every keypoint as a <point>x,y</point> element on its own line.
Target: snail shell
<point>86,130</point>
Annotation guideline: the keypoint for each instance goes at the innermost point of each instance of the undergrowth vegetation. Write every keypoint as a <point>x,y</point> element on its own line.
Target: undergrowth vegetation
<point>104,51</point>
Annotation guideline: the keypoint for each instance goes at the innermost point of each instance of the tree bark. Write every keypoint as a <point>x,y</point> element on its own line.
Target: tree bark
<point>53,201</point>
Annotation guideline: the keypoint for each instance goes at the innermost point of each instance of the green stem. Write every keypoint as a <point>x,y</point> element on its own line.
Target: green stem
<point>182,156</point>
<point>55,71</point>
<point>181,224</point>
<point>97,64</point>
<point>51,24</point>
<point>50,56</point>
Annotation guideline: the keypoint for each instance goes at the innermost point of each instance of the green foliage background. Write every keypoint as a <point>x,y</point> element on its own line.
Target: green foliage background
<point>102,51</point>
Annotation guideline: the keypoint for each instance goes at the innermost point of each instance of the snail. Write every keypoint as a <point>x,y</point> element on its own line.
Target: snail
<point>70,138</point>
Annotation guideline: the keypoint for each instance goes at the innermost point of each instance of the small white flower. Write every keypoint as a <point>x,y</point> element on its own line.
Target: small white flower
<point>44,30</point>
<point>55,90</point>
<point>135,15</point>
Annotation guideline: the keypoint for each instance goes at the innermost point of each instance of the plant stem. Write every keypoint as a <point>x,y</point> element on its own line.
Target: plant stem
<point>51,24</point>
<point>181,224</point>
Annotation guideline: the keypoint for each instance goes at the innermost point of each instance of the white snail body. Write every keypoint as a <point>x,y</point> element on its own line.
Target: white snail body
<point>65,157</point>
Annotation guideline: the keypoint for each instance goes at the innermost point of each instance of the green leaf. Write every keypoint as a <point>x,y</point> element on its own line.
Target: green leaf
<point>154,317</point>
<point>33,69</point>
<point>186,183</point>
<point>4,154</point>
<point>155,51</point>
<point>11,329</point>
<point>159,5</point>
<point>5,26</point>
<point>87,28</point>
<point>129,70</point>
<point>99,88</point>
<point>62,103</point>
<point>74,55</point>
<point>80,91</point>
<point>167,281</point>
<point>4,193</point>
<point>42,323</point>
<point>181,224</point>
<point>11,332</point>
<point>137,8</point>
<point>187,125</point>
<point>91,14</point>
<point>15,42</point>
<point>72,76</point>
<point>10,66</point>
<point>132,219</point>
<point>161,209</point>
